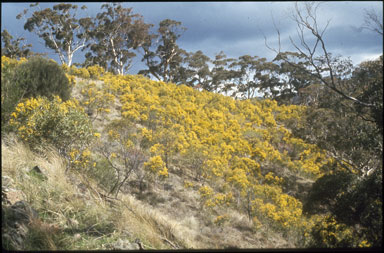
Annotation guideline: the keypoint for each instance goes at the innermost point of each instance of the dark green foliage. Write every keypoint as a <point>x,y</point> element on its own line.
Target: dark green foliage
<point>369,78</point>
<point>12,47</point>
<point>324,191</point>
<point>343,133</point>
<point>329,234</point>
<point>355,202</point>
<point>165,64</point>
<point>41,77</point>
<point>361,206</point>
<point>104,173</point>
<point>10,93</point>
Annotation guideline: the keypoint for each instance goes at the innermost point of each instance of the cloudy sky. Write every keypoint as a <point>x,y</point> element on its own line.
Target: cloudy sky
<point>237,28</point>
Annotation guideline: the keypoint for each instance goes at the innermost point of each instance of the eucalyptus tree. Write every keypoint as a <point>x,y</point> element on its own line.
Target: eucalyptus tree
<point>286,80</point>
<point>198,71</point>
<point>60,28</point>
<point>221,74</point>
<point>12,47</point>
<point>249,73</point>
<point>347,123</point>
<point>166,61</point>
<point>323,66</point>
<point>117,34</point>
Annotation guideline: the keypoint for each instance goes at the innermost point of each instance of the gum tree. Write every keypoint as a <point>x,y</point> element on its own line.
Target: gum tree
<point>118,32</point>
<point>164,63</point>
<point>60,28</point>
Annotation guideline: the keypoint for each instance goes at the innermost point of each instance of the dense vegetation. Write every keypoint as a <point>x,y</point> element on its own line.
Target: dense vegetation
<point>304,162</point>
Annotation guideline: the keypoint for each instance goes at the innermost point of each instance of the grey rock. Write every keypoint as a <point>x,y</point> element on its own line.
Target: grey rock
<point>6,181</point>
<point>23,212</point>
<point>37,169</point>
<point>168,187</point>
<point>124,245</point>
<point>39,173</point>
<point>15,223</point>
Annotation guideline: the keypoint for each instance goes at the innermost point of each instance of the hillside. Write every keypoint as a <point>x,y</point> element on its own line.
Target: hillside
<point>164,166</point>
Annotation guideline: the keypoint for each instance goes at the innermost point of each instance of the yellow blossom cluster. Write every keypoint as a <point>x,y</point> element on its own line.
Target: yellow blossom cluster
<point>96,100</point>
<point>188,184</point>
<point>80,159</point>
<point>10,62</point>
<point>63,124</point>
<point>80,72</point>
<point>95,71</point>
<point>281,210</point>
<point>221,219</point>
<point>328,233</point>
<point>273,179</point>
<point>225,141</point>
<point>156,166</point>
<point>219,199</point>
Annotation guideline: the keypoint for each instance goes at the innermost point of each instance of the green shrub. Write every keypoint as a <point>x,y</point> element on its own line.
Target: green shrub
<point>63,124</point>
<point>10,92</point>
<point>104,174</point>
<point>329,234</point>
<point>42,77</point>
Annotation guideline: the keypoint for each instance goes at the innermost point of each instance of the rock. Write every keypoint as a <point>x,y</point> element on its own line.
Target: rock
<point>73,223</point>
<point>11,195</point>
<point>37,171</point>
<point>77,237</point>
<point>23,212</point>
<point>124,245</point>
<point>126,233</point>
<point>6,181</point>
<point>15,223</point>
<point>168,187</point>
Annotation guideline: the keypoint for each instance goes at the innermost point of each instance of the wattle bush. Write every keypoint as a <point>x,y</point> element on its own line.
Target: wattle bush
<point>63,124</point>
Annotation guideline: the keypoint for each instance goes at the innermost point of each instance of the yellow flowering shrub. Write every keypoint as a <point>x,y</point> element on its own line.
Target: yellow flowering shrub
<point>271,179</point>
<point>327,233</point>
<point>71,79</point>
<point>80,159</point>
<point>205,191</point>
<point>188,184</point>
<point>63,124</point>
<point>156,166</point>
<point>7,62</point>
<point>95,71</point>
<point>221,219</point>
<point>226,142</point>
<point>80,72</point>
<point>95,100</point>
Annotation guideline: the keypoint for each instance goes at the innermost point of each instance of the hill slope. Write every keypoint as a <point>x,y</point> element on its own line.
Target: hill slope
<point>171,167</point>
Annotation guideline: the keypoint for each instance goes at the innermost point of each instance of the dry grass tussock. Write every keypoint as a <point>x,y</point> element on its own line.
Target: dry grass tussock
<point>15,156</point>
<point>62,204</point>
<point>73,210</point>
<point>156,227</point>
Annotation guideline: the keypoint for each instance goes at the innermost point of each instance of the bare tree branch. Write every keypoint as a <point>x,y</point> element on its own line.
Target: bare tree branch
<point>307,20</point>
<point>373,21</point>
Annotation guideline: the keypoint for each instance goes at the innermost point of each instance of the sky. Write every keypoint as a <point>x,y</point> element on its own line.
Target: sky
<point>236,28</point>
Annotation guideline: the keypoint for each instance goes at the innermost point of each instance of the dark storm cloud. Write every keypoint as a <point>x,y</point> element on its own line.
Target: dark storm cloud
<point>238,28</point>
<point>347,39</point>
